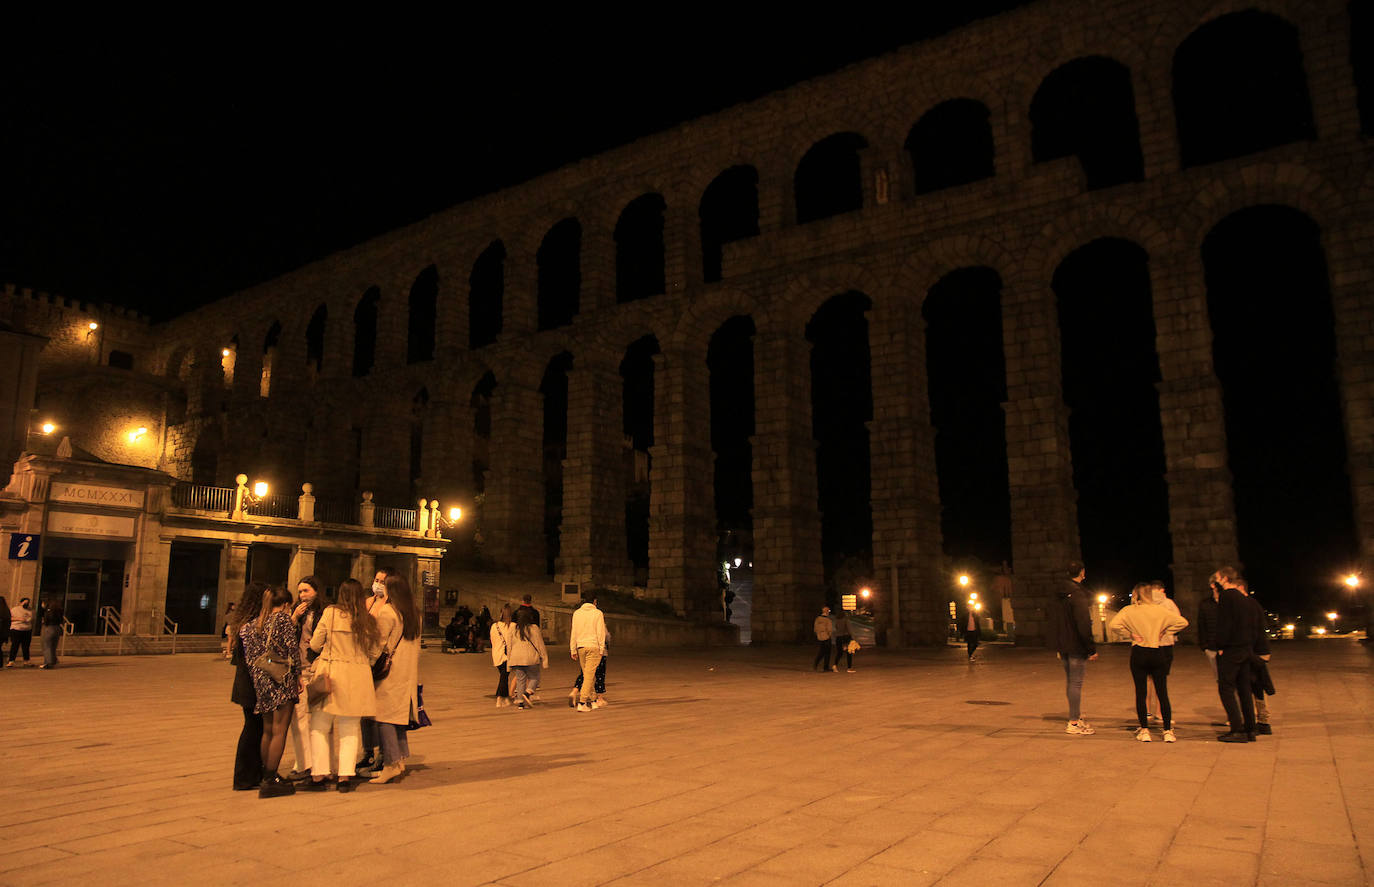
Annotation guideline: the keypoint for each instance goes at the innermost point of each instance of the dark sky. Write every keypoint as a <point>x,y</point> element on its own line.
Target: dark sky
<point>165,174</point>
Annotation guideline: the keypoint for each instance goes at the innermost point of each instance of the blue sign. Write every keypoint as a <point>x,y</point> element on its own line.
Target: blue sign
<point>24,546</point>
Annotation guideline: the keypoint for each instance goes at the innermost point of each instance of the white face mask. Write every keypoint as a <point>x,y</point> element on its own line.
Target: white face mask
<point>379,588</point>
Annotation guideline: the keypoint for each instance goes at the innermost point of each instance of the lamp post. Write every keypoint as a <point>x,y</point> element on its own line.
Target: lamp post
<point>1102,615</point>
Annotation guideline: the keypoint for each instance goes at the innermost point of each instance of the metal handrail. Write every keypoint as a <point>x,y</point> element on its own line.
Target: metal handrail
<point>281,505</point>
<point>170,627</point>
<point>111,619</point>
<point>202,498</point>
<point>336,512</point>
<point>68,628</point>
<point>395,518</point>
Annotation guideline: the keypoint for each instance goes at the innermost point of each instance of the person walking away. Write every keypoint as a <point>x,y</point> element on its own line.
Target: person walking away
<point>1166,646</point>
<point>1207,625</point>
<point>304,618</point>
<point>248,754</point>
<point>345,642</point>
<point>483,633</point>
<point>502,635</point>
<point>599,684</point>
<point>398,702</point>
<point>587,642</point>
<point>21,631</point>
<point>1237,632</point>
<point>272,636</point>
<point>1147,623</point>
<point>824,628</point>
<point>843,635</point>
<point>527,655</point>
<point>1071,633</point>
<point>971,630</point>
<point>52,632</point>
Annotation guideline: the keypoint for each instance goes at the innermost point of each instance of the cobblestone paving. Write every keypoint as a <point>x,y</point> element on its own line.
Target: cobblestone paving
<point>728,766</point>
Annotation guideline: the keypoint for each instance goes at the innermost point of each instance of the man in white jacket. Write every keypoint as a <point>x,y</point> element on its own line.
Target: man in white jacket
<point>587,641</point>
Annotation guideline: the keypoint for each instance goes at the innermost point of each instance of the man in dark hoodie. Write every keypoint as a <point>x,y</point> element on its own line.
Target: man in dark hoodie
<point>1071,633</point>
<point>1238,628</point>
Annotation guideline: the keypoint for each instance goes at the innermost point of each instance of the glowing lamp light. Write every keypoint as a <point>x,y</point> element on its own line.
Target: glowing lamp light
<point>1333,616</point>
<point>260,489</point>
<point>1290,627</point>
<point>455,514</point>
<point>1102,599</point>
<point>973,595</point>
<point>866,593</point>
<point>963,580</point>
<point>1352,581</point>
<point>48,427</point>
<point>224,352</point>
<point>1319,630</point>
<point>738,561</point>
<point>977,608</point>
<point>92,326</point>
<point>137,434</point>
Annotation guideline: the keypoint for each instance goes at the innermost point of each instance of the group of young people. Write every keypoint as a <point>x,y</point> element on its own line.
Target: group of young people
<point>520,656</point>
<point>16,625</point>
<point>1230,631</point>
<point>342,681</point>
<point>833,632</point>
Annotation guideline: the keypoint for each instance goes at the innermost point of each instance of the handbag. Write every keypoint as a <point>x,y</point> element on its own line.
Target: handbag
<point>273,668</point>
<point>382,667</point>
<point>420,719</point>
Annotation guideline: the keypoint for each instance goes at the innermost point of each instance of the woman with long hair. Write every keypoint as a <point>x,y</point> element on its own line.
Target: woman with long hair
<point>347,640</point>
<point>502,633</point>
<point>1147,623</point>
<point>527,655</point>
<point>398,619</point>
<point>248,755</point>
<point>305,616</point>
<point>273,635</point>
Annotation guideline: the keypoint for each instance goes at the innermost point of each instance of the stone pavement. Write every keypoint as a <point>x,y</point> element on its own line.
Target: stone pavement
<point>727,766</point>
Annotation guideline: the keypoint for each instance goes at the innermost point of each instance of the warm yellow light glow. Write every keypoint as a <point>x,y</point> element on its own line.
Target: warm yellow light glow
<point>1102,599</point>
<point>1352,581</point>
<point>260,489</point>
<point>137,434</point>
<point>963,580</point>
<point>977,608</point>
<point>224,353</point>
<point>1333,615</point>
<point>92,326</point>
<point>48,428</point>
<point>455,514</point>
<point>973,595</point>
<point>866,592</point>
<point>1319,630</point>
<point>738,561</point>
<point>1290,627</point>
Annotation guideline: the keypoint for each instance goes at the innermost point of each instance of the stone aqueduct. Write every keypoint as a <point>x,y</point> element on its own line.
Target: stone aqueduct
<point>804,216</point>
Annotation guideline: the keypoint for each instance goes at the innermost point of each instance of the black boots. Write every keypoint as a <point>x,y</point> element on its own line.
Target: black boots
<point>273,786</point>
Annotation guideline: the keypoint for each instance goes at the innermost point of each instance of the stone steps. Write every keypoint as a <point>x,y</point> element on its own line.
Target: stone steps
<point>114,645</point>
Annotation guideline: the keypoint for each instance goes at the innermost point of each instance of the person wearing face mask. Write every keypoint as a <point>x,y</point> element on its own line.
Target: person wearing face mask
<point>305,615</point>
<point>371,739</point>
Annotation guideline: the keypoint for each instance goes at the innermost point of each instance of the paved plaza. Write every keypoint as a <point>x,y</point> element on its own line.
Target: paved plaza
<point>731,766</point>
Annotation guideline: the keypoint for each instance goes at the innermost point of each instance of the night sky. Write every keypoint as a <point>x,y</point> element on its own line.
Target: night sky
<point>163,175</point>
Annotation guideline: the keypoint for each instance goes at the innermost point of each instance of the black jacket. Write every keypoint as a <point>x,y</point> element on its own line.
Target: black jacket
<point>1238,621</point>
<point>1070,621</point>
<point>1207,623</point>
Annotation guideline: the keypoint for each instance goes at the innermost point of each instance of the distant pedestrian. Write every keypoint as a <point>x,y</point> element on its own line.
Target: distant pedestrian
<point>1147,623</point>
<point>598,682</point>
<point>526,657</point>
<point>346,641</point>
<point>398,700</point>
<point>1238,629</point>
<point>52,632</point>
<point>824,627</point>
<point>502,632</point>
<point>483,632</point>
<point>1070,628</point>
<point>971,629</point>
<point>527,603</point>
<point>21,631</point>
<point>844,633</point>
<point>587,642</point>
<point>270,640</point>
<point>248,755</point>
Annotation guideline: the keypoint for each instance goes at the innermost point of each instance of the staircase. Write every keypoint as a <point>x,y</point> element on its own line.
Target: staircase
<point>129,644</point>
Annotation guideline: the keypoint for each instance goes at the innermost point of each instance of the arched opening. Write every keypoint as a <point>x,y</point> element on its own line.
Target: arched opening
<point>730,365</point>
<point>314,341</point>
<point>419,410</point>
<point>120,360</point>
<point>365,332</point>
<point>560,274</point>
<point>424,302</point>
<point>637,375</point>
<point>1239,87</point>
<point>729,211</point>
<point>841,408</point>
<point>829,179</point>
<point>1273,346</point>
<point>228,360</point>
<point>951,145</point>
<point>1086,109</point>
<point>554,388</point>
<point>486,295</point>
<point>269,359</point>
<point>966,373</point>
<point>481,430</point>
<point>1362,60</point>
<point>205,460</point>
<point>1110,374</point>
<point>639,249</point>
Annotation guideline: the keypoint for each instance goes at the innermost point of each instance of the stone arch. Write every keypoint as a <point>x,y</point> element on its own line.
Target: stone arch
<point>828,180</point>
<point>727,210</point>
<point>640,250</point>
<point>365,329</point>
<point>1288,184</point>
<point>700,321</point>
<point>177,366</point>
<point>1072,230</point>
<point>928,264</point>
<point>801,296</point>
<point>951,144</point>
<point>315,339</point>
<point>423,316</point>
<point>1086,108</point>
<point>487,295</point>
<point>558,271</point>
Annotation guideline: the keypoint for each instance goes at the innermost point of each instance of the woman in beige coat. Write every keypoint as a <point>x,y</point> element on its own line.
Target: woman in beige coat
<point>398,692</point>
<point>347,640</point>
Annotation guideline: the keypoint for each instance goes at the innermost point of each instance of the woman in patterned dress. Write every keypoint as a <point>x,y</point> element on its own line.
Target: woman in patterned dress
<point>273,633</point>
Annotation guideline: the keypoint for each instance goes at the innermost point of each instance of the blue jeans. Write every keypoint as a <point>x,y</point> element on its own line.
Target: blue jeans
<point>1074,667</point>
<point>524,676</point>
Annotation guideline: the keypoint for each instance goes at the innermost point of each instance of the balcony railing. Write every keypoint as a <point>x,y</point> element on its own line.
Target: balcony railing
<point>395,518</point>
<point>336,512</point>
<point>203,498</point>
<point>276,505</point>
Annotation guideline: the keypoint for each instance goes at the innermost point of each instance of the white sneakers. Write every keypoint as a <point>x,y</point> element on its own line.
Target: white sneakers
<point>582,706</point>
<point>1142,734</point>
<point>1079,727</point>
<point>1169,736</point>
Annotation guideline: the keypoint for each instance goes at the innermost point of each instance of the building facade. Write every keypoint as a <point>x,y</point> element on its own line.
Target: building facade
<point>995,162</point>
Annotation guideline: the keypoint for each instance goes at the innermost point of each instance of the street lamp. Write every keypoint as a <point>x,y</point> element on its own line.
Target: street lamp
<point>1102,615</point>
<point>1352,581</point>
<point>48,427</point>
<point>137,434</point>
<point>963,580</point>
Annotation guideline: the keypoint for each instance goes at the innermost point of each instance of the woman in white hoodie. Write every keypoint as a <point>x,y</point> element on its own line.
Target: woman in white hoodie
<point>1147,624</point>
